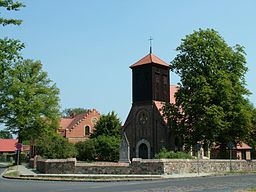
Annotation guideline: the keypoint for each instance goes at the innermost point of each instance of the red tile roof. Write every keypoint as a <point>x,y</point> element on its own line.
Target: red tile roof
<point>150,58</point>
<point>69,123</point>
<point>173,90</point>
<point>242,145</point>
<point>8,145</point>
<point>159,105</point>
<point>65,122</point>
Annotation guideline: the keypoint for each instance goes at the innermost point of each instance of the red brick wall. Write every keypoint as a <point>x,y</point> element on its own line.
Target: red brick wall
<point>77,132</point>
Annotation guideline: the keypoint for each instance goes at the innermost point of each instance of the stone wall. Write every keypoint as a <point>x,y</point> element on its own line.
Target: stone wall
<point>144,166</point>
<point>207,166</point>
<point>56,166</point>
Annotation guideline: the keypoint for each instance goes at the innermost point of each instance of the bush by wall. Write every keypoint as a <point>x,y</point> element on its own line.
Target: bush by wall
<point>164,154</point>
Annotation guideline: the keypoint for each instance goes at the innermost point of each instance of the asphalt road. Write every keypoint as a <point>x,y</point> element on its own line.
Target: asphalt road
<point>209,184</point>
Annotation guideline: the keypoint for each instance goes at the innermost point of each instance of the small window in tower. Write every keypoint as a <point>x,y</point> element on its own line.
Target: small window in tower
<point>86,130</point>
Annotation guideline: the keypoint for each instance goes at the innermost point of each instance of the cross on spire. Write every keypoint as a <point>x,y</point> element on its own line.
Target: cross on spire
<point>150,41</point>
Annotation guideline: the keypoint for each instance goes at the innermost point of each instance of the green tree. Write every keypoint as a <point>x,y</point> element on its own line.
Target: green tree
<point>31,105</point>
<point>10,5</point>
<point>73,111</point>
<point>108,148</point>
<point>212,90</point>
<point>4,134</point>
<point>53,146</point>
<point>9,49</point>
<point>108,125</point>
<point>86,150</point>
<point>104,142</point>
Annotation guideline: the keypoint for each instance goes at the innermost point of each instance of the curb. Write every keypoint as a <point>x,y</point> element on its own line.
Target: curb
<point>82,179</point>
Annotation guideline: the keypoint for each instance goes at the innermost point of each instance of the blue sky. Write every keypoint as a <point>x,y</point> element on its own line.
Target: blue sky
<point>87,46</point>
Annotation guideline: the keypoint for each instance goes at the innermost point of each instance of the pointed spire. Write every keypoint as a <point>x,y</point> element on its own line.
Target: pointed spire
<point>150,41</point>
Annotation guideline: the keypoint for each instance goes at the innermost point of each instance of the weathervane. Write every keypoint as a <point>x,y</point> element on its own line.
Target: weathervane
<point>150,41</point>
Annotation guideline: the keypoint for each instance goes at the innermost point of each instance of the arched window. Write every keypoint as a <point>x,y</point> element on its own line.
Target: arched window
<point>86,130</point>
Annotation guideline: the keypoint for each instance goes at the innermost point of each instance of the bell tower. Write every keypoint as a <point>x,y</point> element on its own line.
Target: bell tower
<point>145,129</point>
<point>150,80</point>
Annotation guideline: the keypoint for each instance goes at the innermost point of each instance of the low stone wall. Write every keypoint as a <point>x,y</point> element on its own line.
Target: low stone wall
<point>147,166</point>
<point>56,166</point>
<point>207,166</point>
<point>144,166</point>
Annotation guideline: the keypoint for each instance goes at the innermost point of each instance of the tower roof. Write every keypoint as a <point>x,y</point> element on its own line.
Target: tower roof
<point>150,58</point>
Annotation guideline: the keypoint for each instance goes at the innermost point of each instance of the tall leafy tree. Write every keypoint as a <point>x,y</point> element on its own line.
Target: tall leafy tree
<point>108,125</point>
<point>31,105</point>
<point>9,48</point>
<point>104,142</point>
<point>210,104</point>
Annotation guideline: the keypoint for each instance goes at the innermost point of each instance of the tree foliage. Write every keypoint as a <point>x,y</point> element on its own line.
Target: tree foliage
<point>102,148</point>
<point>108,148</point>
<point>73,111</point>
<point>9,55</point>
<point>164,154</point>
<point>108,125</point>
<point>86,151</point>
<point>10,5</point>
<point>51,145</point>
<point>210,104</point>
<point>4,134</point>
<point>104,142</point>
<point>30,104</point>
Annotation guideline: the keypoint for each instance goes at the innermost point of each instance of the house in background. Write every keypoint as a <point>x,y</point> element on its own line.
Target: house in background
<point>79,127</point>
<point>8,145</point>
<point>243,151</point>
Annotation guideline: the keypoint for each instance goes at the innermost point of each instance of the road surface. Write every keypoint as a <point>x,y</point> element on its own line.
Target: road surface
<point>202,184</point>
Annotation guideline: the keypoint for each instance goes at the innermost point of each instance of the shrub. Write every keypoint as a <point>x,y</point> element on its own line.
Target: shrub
<point>86,151</point>
<point>164,154</point>
<point>54,146</point>
<point>108,148</point>
<point>102,148</point>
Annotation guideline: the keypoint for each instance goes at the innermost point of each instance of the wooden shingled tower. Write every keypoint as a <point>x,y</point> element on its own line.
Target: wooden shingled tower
<point>145,129</point>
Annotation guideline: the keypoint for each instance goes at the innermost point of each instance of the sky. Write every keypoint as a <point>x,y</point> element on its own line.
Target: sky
<point>87,46</point>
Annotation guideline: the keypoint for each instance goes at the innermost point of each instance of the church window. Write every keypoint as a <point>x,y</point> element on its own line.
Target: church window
<point>86,130</point>
<point>94,120</point>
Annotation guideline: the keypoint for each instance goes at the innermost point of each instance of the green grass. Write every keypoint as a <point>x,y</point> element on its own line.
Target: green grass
<point>12,174</point>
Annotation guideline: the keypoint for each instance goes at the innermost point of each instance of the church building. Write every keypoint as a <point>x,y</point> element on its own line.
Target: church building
<point>79,127</point>
<point>145,131</point>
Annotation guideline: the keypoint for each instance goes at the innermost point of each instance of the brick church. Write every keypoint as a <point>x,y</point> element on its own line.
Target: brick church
<point>145,131</point>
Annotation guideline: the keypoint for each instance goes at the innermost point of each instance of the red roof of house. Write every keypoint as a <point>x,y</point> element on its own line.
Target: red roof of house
<point>68,123</point>
<point>150,58</point>
<point>242,145</point>
<point>65,122</point>
<point>8,145</point>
